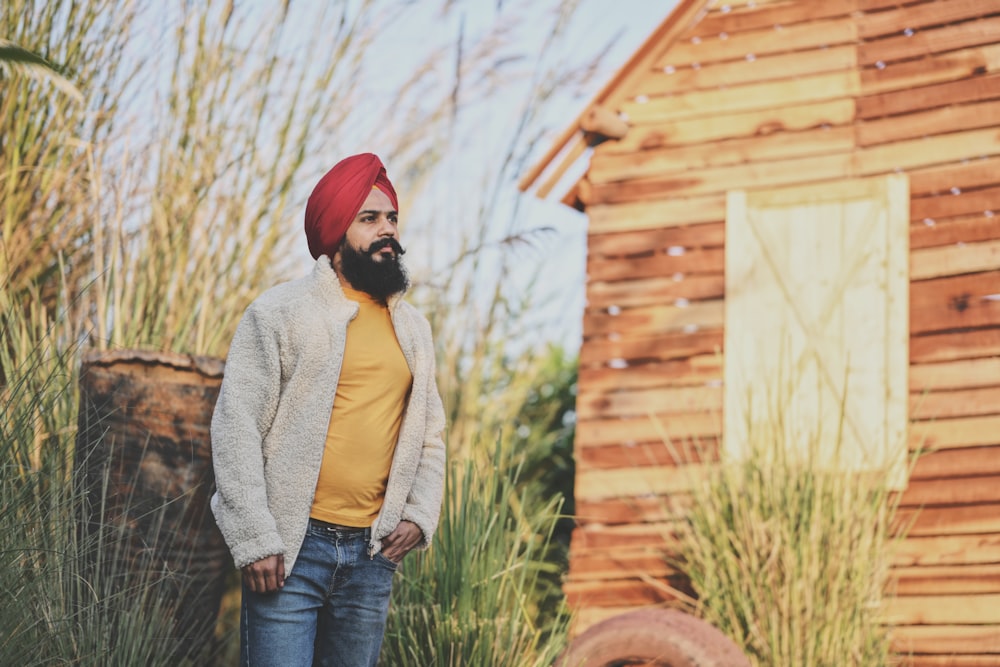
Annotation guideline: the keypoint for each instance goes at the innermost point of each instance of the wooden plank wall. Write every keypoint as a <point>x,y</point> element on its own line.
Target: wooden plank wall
<point>760,95</point>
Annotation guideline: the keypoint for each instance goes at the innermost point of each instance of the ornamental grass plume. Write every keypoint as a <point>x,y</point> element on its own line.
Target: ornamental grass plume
<point>790,557</point>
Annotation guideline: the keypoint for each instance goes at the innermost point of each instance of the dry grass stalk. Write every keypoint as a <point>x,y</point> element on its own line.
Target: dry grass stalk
<point>210,229</point>
<point>45,214</point>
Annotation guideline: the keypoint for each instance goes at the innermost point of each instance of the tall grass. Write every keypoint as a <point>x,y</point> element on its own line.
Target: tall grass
<point>19,59</point>
<point>790,557</point>
<point>481,293</point>
<point>116,234</point>
<point>149,216</point>
<point>45,137</point>
<point>204,225</point>
<point>473,599</point>
<point>489,590</point>
<point>59,609</point>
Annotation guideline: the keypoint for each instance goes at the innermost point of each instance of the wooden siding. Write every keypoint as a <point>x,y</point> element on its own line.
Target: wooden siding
<point>757,96</point>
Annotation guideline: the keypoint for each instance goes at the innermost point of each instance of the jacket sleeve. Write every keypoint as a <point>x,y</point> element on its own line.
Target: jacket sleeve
<point>245,409</point>
<point>423,505</point>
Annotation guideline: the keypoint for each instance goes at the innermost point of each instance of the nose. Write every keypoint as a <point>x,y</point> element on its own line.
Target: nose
<point>387,227</point>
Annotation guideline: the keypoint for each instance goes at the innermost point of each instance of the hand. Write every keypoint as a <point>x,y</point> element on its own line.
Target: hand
<point>266,575</point>
<point>400,541</point>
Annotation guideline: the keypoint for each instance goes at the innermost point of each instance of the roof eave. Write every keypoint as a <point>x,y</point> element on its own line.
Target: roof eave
<point>684,14</point>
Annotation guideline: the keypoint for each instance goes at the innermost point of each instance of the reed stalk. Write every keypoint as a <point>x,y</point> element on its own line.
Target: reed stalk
<point>218,179</point>
<point>45,134</point>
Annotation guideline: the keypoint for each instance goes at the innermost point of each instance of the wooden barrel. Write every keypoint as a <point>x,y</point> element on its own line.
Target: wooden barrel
<point>144,458</point>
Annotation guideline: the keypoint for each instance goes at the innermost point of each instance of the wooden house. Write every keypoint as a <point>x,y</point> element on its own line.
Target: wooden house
<point>875,126</point>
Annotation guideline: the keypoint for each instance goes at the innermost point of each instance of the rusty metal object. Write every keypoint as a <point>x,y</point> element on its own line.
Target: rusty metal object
<point>143,456</point>
<point>653,638</point>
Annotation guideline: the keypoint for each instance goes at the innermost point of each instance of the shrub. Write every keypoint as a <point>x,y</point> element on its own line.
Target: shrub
<point>791,558</point>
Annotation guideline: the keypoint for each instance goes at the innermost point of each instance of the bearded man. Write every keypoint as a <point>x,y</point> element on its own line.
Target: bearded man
<point>327,436</point>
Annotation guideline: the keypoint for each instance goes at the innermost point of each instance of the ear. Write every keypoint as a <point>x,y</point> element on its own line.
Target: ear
<point>336,258</point>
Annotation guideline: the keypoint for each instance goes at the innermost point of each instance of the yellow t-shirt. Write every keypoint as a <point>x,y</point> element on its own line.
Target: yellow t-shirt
<point>368,408</point>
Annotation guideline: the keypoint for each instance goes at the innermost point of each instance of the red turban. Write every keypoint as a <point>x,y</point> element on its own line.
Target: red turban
<point>338,197</point>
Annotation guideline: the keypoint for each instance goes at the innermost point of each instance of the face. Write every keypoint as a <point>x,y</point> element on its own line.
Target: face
<point>377,220</point>
<point>369,256</point>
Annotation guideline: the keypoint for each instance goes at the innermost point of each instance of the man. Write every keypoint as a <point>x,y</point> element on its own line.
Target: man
<point>327,435</point>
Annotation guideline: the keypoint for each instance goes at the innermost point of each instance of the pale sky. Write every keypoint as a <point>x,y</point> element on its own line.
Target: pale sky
<point>597,23</point>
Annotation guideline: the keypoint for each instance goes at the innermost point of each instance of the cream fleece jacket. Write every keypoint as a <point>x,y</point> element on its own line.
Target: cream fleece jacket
<point>270,422</point>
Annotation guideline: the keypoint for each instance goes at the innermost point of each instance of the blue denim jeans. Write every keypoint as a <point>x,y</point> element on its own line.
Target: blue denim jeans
<point>331,611</point>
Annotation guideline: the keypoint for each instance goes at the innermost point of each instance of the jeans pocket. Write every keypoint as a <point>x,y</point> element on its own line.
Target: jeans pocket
<point>392,565</point>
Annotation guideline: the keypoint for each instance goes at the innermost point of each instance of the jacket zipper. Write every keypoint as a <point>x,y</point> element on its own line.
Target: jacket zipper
<point>371,542</point>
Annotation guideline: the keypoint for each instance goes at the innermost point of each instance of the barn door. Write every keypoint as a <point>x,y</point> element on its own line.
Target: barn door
<point>817,322</point>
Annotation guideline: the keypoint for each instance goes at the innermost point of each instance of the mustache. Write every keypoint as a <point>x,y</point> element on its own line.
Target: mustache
<point>386,243</point>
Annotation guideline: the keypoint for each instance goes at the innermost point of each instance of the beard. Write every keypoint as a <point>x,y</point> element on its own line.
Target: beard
<point>379,279</point>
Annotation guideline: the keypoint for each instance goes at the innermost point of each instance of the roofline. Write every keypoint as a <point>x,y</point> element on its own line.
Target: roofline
<point>664,34</point>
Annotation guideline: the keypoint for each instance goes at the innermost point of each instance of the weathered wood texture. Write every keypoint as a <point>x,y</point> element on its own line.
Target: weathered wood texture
<point>761,95</point>
<point>143,455</point>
